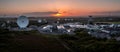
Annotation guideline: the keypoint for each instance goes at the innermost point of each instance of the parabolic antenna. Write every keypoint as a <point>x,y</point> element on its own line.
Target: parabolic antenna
<point>39,21</point>
<point>22,21</point>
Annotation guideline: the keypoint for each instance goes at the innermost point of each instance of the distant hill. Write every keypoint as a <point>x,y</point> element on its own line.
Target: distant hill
<point>37,14</point>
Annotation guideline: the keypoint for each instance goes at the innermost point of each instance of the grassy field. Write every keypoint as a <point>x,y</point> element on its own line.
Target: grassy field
<point>31,41</point>
<point>115,22</point>
<point>83,42</point>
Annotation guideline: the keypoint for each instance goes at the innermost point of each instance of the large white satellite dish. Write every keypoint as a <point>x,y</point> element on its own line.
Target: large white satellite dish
<point>22,21</point>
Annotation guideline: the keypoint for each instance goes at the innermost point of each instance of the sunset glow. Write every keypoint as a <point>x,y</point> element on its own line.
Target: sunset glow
<point>58,14</point>
<point>63,7</point>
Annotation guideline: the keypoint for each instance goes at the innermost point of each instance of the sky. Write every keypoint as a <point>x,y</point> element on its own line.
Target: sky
<point>64,7</point>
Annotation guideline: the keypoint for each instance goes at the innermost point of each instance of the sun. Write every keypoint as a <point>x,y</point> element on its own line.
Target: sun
<point>58,14</point>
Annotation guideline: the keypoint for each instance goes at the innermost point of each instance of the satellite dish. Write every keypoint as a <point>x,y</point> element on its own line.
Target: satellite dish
<point>39,21</point>
<point>22,21</point>
<point>8,21</point>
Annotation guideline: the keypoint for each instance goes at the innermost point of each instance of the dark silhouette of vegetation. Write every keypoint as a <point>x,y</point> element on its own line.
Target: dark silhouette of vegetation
<point>32,41</point>
<point>28,41</point>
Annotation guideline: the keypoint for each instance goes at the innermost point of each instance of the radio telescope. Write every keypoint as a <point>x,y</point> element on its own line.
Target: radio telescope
<point>39,21</point>
<point>22,21</point>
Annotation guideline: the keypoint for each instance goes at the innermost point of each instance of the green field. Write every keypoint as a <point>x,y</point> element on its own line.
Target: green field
<point>115,22</point>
